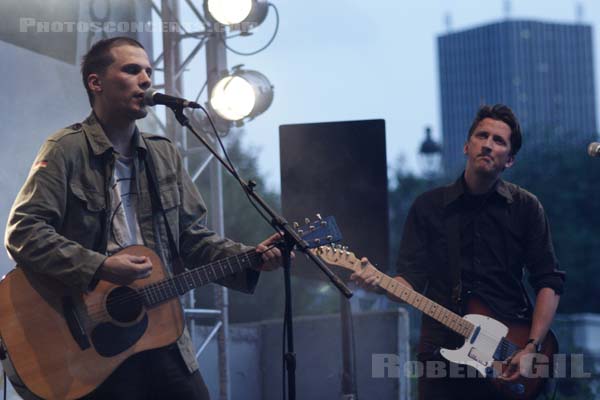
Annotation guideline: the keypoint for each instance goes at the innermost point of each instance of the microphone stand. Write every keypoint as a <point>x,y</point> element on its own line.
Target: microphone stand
<point>291,239</point>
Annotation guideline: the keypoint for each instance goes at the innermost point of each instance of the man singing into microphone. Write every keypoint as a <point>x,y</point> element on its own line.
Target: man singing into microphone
<point>88,195</point>
<point>471,240</point>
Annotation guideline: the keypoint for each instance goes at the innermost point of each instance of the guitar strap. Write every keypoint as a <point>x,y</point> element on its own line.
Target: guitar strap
<point>527,313</point>
<point>157,204</point>
<point>452,225</point>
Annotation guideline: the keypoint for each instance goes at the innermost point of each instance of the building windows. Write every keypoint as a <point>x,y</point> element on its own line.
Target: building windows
<point>543,71</point>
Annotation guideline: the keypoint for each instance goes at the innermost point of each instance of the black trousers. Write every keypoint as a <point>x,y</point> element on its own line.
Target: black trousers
<point>153,374</point>
<point>442,380</point>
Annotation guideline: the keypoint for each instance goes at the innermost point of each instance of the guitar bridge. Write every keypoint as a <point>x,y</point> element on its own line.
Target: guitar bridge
<point>475,355</point>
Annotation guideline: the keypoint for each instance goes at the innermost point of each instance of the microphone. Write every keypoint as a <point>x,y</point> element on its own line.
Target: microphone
<point>594,149</point>
<point>152,97</point>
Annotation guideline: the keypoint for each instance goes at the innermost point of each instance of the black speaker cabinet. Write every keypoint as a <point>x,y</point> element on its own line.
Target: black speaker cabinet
<point>339,169</point>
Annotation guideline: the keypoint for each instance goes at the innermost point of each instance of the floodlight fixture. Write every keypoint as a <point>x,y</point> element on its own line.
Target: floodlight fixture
<point>244,94</point>
<point>247,13</point>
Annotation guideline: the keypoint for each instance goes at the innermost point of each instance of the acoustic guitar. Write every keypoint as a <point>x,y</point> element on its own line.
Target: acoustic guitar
<point>59,343</point>
<point>489,341</point>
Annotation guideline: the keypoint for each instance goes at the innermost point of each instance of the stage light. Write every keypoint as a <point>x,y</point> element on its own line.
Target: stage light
<point>248,13</point>
<point>243,94</point>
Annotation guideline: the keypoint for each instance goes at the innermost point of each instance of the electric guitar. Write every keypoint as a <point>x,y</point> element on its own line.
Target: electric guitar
<point>488,341</point>
<point>59,343</point>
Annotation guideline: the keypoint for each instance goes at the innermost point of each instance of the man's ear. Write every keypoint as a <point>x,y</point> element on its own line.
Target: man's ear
<point>510,162</point>
<point>94,83</point>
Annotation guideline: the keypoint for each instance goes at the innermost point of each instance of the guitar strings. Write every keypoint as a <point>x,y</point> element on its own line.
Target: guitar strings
<point>423,303</point>
<point>507,348</point>
<point>157,288</point>
<point>164,286</point>
<point>98,311</point>
<point>505,345</point>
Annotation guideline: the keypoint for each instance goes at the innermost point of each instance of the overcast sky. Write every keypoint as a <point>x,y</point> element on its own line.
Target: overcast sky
<point>339,60</point>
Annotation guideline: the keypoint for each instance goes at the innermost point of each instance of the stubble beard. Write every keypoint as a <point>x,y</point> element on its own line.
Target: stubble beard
<point>488,173</point>
<point>141,113</point>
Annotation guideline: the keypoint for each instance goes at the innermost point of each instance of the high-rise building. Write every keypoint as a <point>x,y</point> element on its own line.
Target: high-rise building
<point>543,71</point>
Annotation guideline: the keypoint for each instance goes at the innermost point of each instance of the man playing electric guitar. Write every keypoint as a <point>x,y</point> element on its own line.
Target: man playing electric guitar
<point>89,195</point>
<point>471,240</point>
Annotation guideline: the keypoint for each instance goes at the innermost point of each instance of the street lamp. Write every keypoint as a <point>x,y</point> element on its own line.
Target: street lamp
<point>430,156</point>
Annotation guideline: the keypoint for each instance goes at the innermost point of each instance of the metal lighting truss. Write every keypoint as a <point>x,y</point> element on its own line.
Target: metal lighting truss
<point>212,39</point>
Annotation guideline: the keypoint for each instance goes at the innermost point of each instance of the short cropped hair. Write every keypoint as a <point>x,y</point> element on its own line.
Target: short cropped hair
<point>98,58</point>
<point>500,112</point>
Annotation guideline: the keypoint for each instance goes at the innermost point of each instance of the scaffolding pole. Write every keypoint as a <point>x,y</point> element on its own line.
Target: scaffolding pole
<point>213,40</point>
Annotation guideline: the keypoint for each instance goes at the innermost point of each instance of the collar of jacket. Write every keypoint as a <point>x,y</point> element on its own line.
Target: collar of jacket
<point>99,141</point>
<point>455,190</point>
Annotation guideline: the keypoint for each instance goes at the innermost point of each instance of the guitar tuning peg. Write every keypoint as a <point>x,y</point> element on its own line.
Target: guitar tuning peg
<point>329,238</point>
<point>339,246</point>
<point>296,225</point>
<point>306,220</point>
<point>323,223</point>
<point>317,241</point>
<point>319,217</point>
<point>311,227</point>
<point>300,232</point>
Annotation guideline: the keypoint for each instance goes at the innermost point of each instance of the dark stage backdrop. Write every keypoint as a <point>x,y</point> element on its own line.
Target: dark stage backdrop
<point>340,169</point>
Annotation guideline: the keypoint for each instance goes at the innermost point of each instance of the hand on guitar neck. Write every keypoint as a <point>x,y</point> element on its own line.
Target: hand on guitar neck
<point>271,255</point>
<point>370,277</point>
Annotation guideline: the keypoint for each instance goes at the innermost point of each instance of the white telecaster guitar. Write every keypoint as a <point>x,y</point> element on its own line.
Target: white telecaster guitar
<point>488,341</point>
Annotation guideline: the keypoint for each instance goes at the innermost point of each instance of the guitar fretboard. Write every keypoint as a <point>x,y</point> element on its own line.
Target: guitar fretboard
<point>166,289</point>
<point>429,307</point>
<point>441,314</point>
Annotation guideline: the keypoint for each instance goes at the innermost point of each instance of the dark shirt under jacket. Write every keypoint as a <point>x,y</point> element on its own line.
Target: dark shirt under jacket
<point>501,233</point>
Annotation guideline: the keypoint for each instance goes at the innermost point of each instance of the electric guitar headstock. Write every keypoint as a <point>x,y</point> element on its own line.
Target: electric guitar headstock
<point>338,255</point>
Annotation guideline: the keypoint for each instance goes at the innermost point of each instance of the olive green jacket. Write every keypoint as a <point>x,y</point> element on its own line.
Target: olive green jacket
<point>59,222</point>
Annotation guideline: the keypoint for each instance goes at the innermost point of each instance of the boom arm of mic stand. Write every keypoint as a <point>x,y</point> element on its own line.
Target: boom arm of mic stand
<point>277,221</point>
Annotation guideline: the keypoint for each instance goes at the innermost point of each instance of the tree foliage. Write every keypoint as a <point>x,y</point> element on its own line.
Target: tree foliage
<point>565,180</point>
<point>405,187</point>
<point>244,224</point>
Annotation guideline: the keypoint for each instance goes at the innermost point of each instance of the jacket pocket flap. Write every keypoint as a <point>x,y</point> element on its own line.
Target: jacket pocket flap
<point>169,197</point>
<point>94,201</point>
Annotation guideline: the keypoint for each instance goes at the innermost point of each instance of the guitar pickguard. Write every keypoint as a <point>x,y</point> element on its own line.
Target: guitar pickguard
<point>478,351</point>
<point>110,339</point>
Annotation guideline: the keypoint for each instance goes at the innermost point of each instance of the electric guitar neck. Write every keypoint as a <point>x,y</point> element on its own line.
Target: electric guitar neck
<point>489,341</point>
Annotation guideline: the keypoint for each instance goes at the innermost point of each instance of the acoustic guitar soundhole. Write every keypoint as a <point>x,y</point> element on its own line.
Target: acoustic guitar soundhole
<point>124,304</point>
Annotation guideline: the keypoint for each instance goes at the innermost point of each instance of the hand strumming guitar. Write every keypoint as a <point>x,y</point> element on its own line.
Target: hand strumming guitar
<point>124,269</point>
